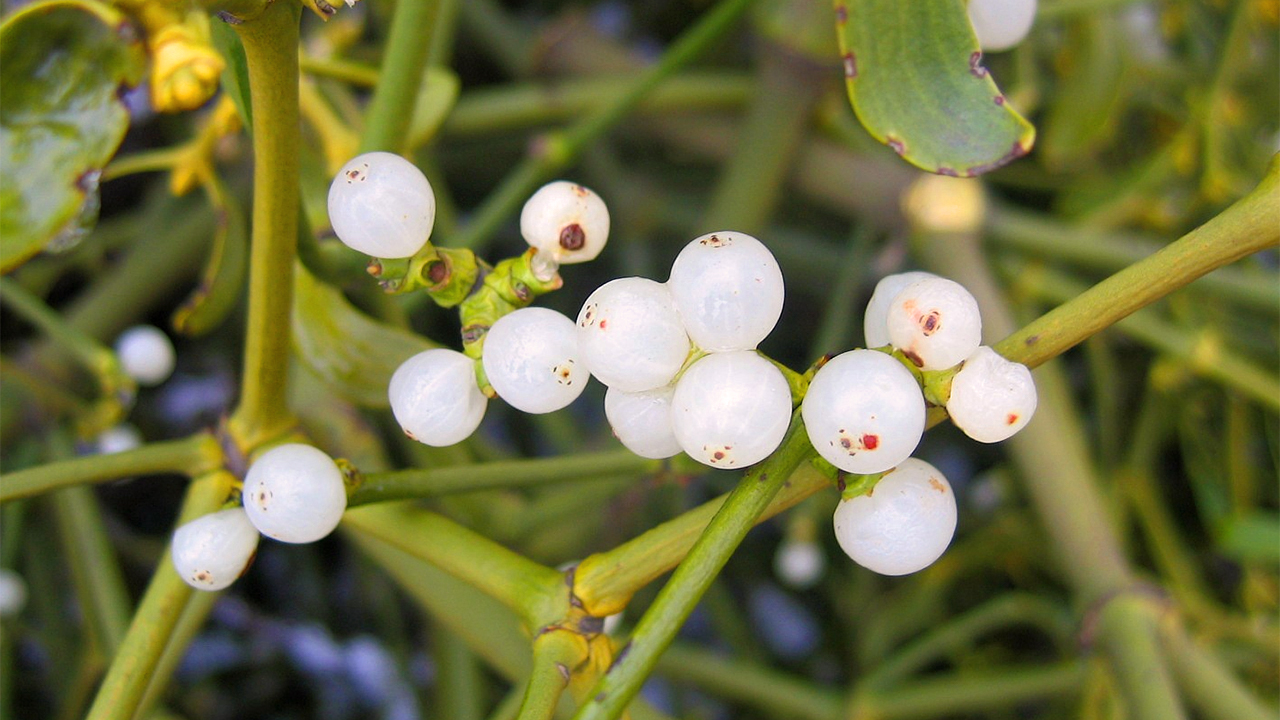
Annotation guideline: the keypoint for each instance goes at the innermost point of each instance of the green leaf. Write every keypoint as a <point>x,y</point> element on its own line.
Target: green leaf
<point>223,278</point>
<point>914,75</point>
<point>436,97</point>
<point>349,350</point>
<point>235,75</point>
<point>61,119</point>
<point>1084,109</point>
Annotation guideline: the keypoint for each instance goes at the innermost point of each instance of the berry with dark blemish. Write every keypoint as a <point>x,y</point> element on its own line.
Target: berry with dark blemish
<point>572,237</point>
<point>931,323</point>
<point>870,442</point>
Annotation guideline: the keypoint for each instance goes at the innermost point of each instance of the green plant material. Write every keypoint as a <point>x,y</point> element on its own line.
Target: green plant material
<point>353,353</point>
<point>61,119</point>
<point>1251,537</point>
<point>392,109</point>
<point>977,692</point>
<point>219,289</point>
<point>916,80</point>
<point>235,74</point>
<point>1209,686</point>
<point>437,96</point>
<point>1085,107</point>
<point>460,693</point>
<point>95,571</point>
<point>749,684</point>
<point>193,455</point>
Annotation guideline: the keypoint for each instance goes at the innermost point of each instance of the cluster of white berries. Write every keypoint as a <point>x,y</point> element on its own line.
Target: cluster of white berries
<point>293,493</point>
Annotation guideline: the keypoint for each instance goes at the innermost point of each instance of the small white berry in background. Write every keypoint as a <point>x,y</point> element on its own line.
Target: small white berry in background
<point>731,409</point>
<point>13,593</point>
<point>728,289</point>
<point>294,493</point>
<point>935,322</point>
<point>903,525</point>
<point>118,438</point>
<point>532,361</point>
<point>566,222</point>
<point>863,412</point>
<point>210,552</point>
<point>435,398</point>
<point>630,334</point>
<point>612,623</point>
<point>991,397</point>
<point>799,563</point>
<point>1001,24</point>
<point>146,354</point>
<point>875,326</point>
<point>642,421</point>
<point>382,205</point>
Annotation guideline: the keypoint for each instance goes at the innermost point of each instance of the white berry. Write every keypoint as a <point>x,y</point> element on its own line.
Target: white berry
<point>382,205</point>
<point>531,358</point>
<point>935,322</point>
<point>864,412</point>
<point>13,593</point>
<point>1001,24</point>
<point>799,563</point>
<point>642,421</point>
<point>211,551</point>
<point>630,334</point>
<point>904,524</point>
<point>565,222</point>
<point>435,398</point>
<point>146,354</point>
<point>731,409</point>
<point>728,288</point>
<point>294,493</point>
<point>118,438</point>
<point>991,397</point>
<point>875,327</point>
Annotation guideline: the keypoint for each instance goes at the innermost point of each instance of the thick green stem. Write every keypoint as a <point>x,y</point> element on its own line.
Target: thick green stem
<point>190,456</point>
<point>404,60</point>
<point>404,484</point>
<point>552,660</point>
<point>1127,625</point>
<point>1209,686</point>
<point>1249,225</point>
<point>271,51</point>
<point>655,631</point>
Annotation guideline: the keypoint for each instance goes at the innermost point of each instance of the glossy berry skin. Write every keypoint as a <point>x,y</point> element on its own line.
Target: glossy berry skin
<point>991,398</point>
<point>382,205</point>
<point>294,493</point>
<point>1001,24</point>
<point>935,322</point>
<point>642,421</point>
<point>875,327</point>
<point>566,222</point>
<point>864,412</point>
<point>731,409</point>
<point>146,354</point>
<point>210,552</point>
<point>531,359</point>
<point>630,335</point>
<point>903,525</point>
<point>435,398</point>
<point>728,289</point>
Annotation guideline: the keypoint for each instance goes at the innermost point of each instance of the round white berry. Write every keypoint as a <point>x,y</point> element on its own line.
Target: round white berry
<point>435,398</point>
<point>118,438</point>
<point>875,327</point>
<point>864,412</point>
<point>146,354</point>
<point>211,551</point>
<point>799,563</point>
<point>728,289</point>
<point>294,493</point>
<point>935,323</point>
<point>904,524</point>
<point>13,593</point>
<point>991,397</point>
<point>630,334</point>
<point>1001,24</point>
<point>382,205</point>
<point>531,360</point>
<point>566,222</point>
<point>731,409</point>
<point>642,421</point>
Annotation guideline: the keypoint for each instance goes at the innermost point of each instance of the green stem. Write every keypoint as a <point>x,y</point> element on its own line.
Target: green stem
<point>153,624</point>
<point>460,691</point>
<point>147,161</point>
<point>427,482</point>
<point>562,148</point>
<point>970,693</point>
<point>404,60</point>
<point>189,456</point>
<point>552,660</point>
<point>95,571</point>
<point>656,629</point>
<point>519,583</point>
<point>196,611</point>
<point>271,53</point>
<point>749,684</point>
<point>1127,625</point>
<point>1249,225</point>
<point>1209,686</point>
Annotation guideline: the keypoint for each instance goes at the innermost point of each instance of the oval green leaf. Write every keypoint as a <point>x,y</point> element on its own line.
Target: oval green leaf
<point>916,80</point>
<point>61,67</point>
<point>349,350</point>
